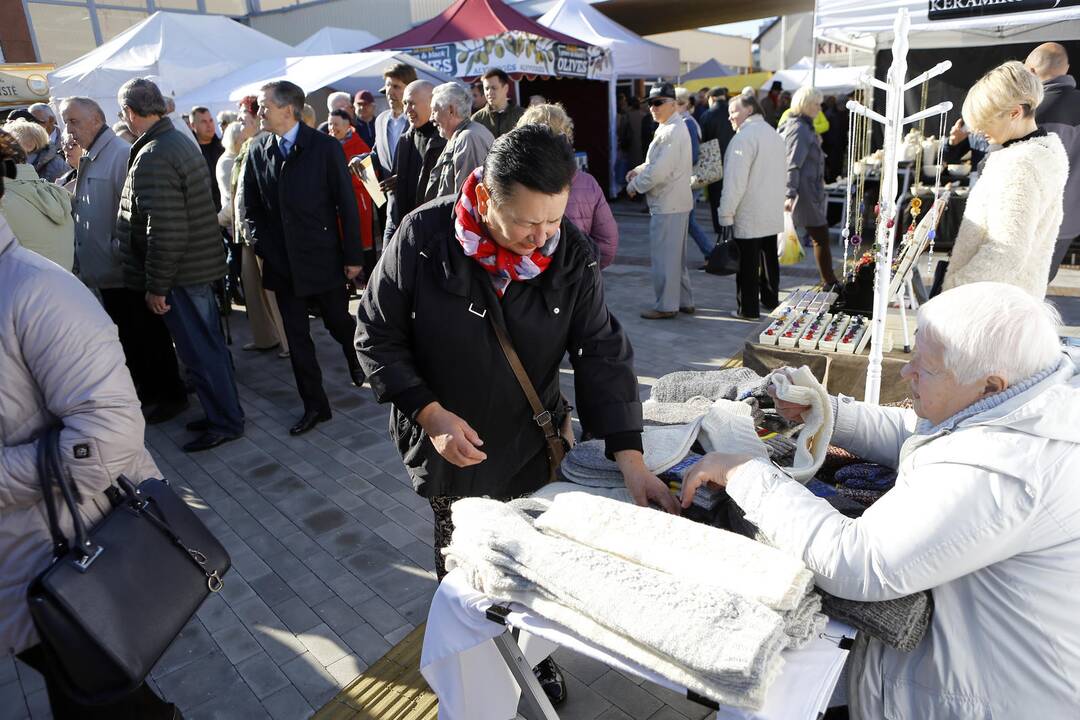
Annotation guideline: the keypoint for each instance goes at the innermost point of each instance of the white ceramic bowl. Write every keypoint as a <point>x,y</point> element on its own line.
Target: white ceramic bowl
<point>959,170</point>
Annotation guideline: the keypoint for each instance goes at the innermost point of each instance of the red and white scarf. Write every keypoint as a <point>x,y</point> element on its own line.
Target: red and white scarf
<point>502,265</point>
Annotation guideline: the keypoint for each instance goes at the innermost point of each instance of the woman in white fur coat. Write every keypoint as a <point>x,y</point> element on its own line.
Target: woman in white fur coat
<point>1015,209</point>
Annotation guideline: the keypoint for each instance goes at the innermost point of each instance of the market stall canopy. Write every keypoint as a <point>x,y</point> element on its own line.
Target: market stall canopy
<point>656,16</point>
<point>348,72</point>
<point>711,68</point>
<point>829,80</point>
<point>632,55</point>
<point>183,50</point>
<point>734,83</point>
<point>332,40</point>
<point>473,36</point>
<point>947,23</point>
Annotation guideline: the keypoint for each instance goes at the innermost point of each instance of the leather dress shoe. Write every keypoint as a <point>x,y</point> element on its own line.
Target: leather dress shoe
<point>309,420</point>
<point>688,309</point>
<point>165,411</point>
<point>358,377</point>
<point>198,426</point>
<point>735,314</point>
<point>658,315</point>
<point>208,440</point>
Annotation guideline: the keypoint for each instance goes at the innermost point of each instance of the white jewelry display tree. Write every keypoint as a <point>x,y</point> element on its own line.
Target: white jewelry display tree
<point>893,123</point>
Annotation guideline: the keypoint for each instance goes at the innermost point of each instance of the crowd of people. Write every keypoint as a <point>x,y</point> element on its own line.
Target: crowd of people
<point>482,271</point>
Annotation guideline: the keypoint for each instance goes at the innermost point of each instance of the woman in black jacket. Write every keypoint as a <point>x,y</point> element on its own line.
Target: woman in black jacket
<point>500,253</point>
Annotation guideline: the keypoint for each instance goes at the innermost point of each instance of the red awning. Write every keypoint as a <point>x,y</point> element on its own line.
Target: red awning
<point>470,20</point>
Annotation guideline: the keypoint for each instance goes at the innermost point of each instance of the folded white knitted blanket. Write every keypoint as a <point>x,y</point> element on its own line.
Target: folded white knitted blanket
<point>504,554</point>
<point>798,385</point>
<point>680,547</point>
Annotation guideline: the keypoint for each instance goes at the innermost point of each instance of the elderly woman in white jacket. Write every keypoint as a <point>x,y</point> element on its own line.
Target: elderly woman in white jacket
<point>752,203</point>
<point>61,362</point>
<point>985,514</point>
<point>1011,222</point>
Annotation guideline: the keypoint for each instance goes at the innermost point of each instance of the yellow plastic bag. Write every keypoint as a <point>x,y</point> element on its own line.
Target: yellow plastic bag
<point>790,250</point>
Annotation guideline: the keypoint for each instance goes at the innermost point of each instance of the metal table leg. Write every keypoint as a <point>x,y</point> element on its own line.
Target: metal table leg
<point>536,700</point>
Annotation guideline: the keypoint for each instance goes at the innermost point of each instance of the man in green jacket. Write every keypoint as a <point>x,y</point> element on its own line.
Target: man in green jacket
<point>500,116</point>
<point>172,250</point>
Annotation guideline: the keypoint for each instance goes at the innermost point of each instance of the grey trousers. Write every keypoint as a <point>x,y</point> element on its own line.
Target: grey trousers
<point>667,250</point>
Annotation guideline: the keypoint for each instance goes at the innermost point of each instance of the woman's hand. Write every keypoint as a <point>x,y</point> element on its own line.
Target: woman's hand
<point>452,437</point>
<point>642,484</point>
<point>789,204</point>
<point>792,412</point>
<point>713,470</point>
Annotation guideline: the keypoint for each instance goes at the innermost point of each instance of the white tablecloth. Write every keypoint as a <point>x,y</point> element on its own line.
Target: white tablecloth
<point>464,668</point>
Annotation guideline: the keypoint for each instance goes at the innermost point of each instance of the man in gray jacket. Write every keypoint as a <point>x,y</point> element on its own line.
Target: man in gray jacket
<point>664,178</point>
<point>1059,113</point>
<point>143,335</point>
<point>172,252</point>
<point>467,141</point>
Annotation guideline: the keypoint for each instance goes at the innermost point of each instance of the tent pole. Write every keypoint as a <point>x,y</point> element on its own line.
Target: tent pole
<point>813,39</point>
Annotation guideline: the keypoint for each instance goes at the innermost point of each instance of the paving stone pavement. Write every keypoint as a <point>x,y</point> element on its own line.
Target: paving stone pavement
<point>331,548</point>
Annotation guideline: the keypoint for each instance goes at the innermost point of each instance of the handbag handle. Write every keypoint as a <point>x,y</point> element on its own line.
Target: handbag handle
<point>44,470</point>
<point>51,469</point>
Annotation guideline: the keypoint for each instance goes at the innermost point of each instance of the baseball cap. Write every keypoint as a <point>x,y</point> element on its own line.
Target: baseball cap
<point>364,96</point>
<point>662,90</point>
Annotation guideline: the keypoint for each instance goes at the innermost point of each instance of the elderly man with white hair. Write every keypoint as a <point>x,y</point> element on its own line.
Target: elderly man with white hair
<point>47,119</point>
<point>467,141</point>
<point>338,101</point>
<point>985,514</point>
<point>417,151</point>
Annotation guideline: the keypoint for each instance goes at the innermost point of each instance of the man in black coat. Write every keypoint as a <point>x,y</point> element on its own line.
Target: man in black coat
<point>1059,113</point>
<point>305,227</point>
<point>715,125</point>
<point>417,153</point>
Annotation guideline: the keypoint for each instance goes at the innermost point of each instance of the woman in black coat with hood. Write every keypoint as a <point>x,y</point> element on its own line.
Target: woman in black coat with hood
<point>500,254</point>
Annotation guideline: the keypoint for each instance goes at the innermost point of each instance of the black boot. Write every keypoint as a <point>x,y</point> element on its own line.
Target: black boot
<point>551,680</point>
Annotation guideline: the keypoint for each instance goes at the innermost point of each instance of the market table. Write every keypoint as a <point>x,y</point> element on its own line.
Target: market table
<point>471,658</point>
<point>838,372</point>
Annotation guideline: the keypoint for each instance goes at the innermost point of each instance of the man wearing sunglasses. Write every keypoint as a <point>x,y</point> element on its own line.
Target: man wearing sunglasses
<point>664,178</point>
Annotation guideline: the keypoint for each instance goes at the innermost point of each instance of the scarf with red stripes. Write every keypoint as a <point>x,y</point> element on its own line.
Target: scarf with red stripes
<point>502,265</point>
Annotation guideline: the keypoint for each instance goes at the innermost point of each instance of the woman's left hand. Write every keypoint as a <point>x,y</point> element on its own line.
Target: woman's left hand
<point>789,204</point>
<point>714,469</point>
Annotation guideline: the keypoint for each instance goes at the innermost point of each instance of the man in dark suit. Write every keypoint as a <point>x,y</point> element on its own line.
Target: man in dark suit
<point>417,153</point>
<point>304,224</point>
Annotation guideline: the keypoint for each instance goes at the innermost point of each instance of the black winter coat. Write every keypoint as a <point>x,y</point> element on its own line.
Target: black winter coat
<point>301,213</point>
<point>423,335</point>
<point>417,153</point>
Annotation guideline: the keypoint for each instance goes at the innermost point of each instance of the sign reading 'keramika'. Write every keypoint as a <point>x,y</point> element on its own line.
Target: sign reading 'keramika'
<point>951,9</point>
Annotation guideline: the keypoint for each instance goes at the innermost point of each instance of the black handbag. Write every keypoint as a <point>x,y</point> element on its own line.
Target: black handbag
<point>724,258</point>
<point>114,598</point>
<point>940,270</point>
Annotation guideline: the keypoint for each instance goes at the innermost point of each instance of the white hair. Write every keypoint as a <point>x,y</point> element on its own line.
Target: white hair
<point>233,138</point>
<point>452,95</point>
<point>682,96</point>
<point>419,86</point>
<point>227,117</point>
<point>989,328</point>
<point>33,110</point>
<point>335,96</point>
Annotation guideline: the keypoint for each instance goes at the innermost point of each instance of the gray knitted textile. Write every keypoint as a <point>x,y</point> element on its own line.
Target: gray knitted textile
<point>651,618</point>
<point>731,384</point>
<point>899,623</point>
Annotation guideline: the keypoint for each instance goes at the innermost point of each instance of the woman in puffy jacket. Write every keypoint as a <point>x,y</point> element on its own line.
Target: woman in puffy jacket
<point>61,362</point>
<point>587,207</point>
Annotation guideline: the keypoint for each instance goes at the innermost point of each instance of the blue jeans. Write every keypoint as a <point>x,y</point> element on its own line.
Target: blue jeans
<point>195,326</point>
<point>703,241</point>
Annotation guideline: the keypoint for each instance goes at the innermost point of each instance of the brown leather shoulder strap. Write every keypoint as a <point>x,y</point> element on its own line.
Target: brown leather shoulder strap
<point>540,415</point>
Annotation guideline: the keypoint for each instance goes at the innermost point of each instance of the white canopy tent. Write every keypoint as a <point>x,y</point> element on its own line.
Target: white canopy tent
<point>632,56</point>
<point>182,51</point>
<point>829,80</point>
<point>867,24</point>
<point>334,40</point>
<point>348,72</point>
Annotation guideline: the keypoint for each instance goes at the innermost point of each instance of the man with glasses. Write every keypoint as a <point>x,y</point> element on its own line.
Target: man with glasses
<point>664,179</point>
